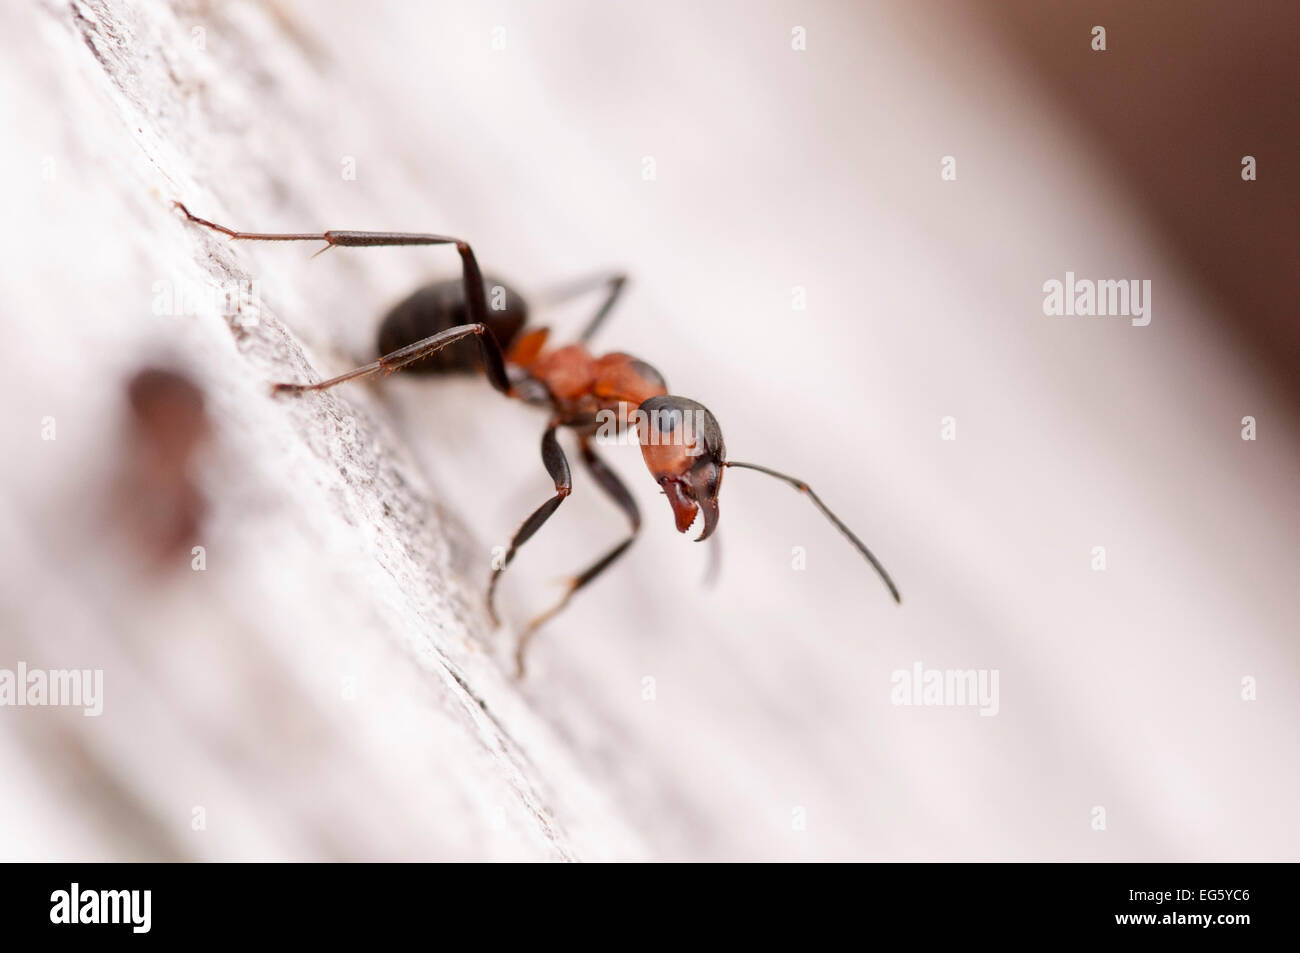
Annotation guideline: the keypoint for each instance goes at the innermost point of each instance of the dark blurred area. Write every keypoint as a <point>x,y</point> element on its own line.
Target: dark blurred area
<point>160,503</point>
<point>1183,91</point>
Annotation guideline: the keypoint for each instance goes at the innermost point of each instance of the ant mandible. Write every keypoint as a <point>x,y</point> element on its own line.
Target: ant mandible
<point>579,389</point>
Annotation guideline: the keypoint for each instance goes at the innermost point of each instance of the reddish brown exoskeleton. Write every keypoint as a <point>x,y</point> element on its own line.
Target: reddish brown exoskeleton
<point>681,442</point>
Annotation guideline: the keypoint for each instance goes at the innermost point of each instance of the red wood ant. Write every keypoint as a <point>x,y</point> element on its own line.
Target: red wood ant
<point>681,441</point>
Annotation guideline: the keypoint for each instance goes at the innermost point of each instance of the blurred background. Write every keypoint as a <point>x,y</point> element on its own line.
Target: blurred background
<point>1066,500</point>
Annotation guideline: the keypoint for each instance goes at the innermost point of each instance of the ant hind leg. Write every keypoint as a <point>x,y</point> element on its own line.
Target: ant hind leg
<point>475,299</point>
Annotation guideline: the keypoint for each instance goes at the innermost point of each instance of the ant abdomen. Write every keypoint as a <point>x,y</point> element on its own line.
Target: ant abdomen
<point>441,305</point>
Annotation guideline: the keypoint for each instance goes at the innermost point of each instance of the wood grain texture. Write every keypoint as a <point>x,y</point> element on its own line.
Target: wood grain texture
<point>328,686</point>
<point>320,690</point>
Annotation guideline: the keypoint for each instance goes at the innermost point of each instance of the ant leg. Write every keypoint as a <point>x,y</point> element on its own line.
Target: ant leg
<point>557,465</point>
<point>614,488</point>
<point>613,283</point>
<point>489,350</point>
<point>475,296</point>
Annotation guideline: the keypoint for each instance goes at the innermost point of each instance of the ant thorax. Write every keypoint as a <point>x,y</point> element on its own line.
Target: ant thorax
<point>585,388</point>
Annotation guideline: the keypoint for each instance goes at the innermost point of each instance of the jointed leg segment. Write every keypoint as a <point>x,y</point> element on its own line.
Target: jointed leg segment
<point>475,299</point>
<point>493,360</point>
<point>608,481</point>
<point>557,465</point>
<point>613,284</point>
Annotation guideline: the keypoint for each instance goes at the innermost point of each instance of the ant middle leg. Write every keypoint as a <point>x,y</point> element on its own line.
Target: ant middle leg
<point>608,481</point>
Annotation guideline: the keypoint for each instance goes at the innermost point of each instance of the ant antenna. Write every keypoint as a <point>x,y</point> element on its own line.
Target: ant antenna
<point>803,487</point>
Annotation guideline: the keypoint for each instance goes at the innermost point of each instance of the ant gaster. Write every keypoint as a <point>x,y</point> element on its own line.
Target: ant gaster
<point>579,389</point>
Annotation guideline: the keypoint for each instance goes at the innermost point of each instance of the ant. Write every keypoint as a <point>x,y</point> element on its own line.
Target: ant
<point>681,441</point>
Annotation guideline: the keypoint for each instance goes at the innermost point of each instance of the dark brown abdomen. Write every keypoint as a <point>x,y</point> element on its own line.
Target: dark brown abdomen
<point>441,305</point>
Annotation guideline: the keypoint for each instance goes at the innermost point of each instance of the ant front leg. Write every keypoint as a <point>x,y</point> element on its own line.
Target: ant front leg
<point>557,466</point>
<point>608,481</point>
<point>475,300</point>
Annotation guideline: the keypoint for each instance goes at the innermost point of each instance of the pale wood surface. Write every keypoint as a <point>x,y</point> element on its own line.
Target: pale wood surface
<point>347,535</point>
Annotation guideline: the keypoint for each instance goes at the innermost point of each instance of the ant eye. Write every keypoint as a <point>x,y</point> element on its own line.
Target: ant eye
<point>680,419</point>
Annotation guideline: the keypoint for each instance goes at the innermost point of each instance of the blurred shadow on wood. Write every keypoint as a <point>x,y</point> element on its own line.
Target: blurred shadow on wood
<point>1184,91</point>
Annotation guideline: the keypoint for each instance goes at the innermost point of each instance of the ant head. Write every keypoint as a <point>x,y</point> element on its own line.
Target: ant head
<point>683,449</point>
<point>682,446</point>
